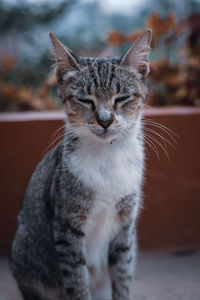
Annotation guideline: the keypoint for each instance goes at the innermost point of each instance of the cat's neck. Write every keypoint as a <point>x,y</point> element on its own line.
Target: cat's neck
<point>110,169</point>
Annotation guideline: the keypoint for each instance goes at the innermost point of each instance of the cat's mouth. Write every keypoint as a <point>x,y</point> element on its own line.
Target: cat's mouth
<point>105,135</point>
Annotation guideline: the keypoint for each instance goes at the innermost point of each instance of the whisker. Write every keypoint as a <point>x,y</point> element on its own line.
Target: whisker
<point>148,106</point>
<point>152,145</point>
<point>162,127</point>
<point>52,141</point>
<point>60,137</point>
<point>66,137</point>
<point>150,134</point>
<point>161,146</point>
<point>160,136</point>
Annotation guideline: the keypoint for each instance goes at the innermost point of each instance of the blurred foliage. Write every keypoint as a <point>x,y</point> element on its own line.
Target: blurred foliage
<point>24,96</point>
<point>26,86</point>
<point>174,79</point>
<point>175,68</point>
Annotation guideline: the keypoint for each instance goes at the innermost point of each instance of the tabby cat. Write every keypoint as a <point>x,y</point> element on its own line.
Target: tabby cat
<point>80,207</point>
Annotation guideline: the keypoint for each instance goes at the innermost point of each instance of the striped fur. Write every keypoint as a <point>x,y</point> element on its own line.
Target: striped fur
<point>80,207</point>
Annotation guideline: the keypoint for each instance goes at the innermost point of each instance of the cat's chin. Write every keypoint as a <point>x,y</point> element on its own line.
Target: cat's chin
<point>105,137</point>
<point>105,140</point>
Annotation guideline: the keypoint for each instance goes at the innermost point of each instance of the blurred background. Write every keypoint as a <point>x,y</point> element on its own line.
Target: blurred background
<point>168,266</point>
<point>97,28</point>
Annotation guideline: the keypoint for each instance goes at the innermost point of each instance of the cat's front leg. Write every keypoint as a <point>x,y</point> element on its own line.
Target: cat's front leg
<point>122,251</point>
<point>69,241</point>
<point>121,264</point>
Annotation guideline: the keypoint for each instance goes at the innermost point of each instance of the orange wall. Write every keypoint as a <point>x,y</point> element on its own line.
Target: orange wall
<point>170,217</point>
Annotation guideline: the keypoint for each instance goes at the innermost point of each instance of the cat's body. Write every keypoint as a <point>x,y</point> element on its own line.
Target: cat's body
<point>80,207</point>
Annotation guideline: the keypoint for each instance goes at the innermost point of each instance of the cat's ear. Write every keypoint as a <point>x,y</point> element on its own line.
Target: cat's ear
<point>65,59</point>
<point>137,55</point>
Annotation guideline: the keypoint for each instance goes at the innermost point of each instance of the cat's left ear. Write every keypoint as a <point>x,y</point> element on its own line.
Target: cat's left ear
<point>137,55</point>
<point>65,59</point>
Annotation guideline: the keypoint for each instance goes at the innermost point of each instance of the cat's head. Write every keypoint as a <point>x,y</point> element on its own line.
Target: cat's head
<point>103,96</point>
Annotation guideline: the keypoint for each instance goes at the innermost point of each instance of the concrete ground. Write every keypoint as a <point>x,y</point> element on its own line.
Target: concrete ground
<point>159,276</point>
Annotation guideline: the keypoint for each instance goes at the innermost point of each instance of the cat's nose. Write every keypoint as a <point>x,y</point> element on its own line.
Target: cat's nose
<point>105,123</point>
<point>103,116</point>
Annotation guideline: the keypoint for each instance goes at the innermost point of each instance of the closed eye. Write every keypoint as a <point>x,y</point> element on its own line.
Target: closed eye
<point>86,101</point>
<point>121,99</point>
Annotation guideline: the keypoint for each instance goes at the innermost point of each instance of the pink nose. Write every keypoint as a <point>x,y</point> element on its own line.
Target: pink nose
<point>105,123</point>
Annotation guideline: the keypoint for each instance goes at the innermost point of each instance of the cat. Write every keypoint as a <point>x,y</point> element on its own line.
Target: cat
<point>81,204</point>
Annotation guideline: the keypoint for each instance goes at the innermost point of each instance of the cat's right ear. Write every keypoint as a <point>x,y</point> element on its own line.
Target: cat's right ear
<point>65,59</point>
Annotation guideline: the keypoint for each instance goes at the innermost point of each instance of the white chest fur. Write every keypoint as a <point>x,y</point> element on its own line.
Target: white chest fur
<point>101,227</point>
<point>110,170</point>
